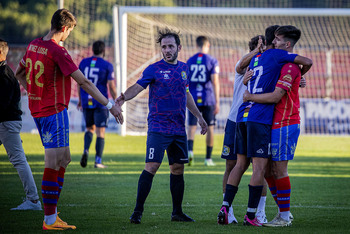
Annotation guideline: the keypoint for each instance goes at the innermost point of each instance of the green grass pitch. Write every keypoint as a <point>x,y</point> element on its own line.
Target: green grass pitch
<point>102,200</point>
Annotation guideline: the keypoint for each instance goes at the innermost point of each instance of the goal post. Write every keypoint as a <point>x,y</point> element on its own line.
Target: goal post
<point>229,30</point>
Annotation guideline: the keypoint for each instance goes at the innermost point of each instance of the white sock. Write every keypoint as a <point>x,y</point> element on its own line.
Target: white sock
<point>262,203</point>
<point>50,219</point>
<point>285,215</point>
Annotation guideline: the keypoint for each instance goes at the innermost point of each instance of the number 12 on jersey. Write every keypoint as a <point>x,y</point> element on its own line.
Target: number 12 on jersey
<point>256,89</point>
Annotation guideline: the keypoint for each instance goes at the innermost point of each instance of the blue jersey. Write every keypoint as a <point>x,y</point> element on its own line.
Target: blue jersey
<point>201,67</point>
<point>168,85</point>
<point>98,71</point>
<point>266,67</point>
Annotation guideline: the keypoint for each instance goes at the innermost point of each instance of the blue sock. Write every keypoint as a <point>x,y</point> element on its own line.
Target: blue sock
<point>254,198</point>
<point>87,141</point>
<point>209,150</point>
<point>144,187</point>
<point>230,194</point>
<point>177,187</point>
<point>190,145</point>
<point>100,144</point>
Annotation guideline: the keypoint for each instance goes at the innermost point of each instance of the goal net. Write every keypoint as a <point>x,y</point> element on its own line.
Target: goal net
<point>325,102</point>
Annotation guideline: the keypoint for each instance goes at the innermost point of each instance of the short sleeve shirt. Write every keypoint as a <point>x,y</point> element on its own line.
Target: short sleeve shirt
<point>99,72</point>
<point>168,86</point>
<point>48,68</point>
<point>201,67</point>
<point>287,109</point>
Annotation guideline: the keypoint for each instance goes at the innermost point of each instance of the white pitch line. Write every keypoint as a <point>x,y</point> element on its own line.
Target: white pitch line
<point>218,205</point>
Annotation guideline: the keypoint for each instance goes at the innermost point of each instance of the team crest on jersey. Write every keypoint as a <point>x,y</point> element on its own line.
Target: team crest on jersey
<point>226,150</point>
<point>47,137</point>
<point>287,78</point>
<point>184,76</point>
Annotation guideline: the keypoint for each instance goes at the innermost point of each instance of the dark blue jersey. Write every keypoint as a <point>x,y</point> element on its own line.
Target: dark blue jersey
<point>266,67</point>
<point>201,67</point>
<point>167,96</point>
<point>98,71</point>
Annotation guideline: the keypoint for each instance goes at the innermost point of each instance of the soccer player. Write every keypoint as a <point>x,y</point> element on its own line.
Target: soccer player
<point>285,125</point>
<point>168,99</point>
<point>256,45</point>
<point>45,72</point>
<point>10,127</point>
<point>205,89</point>
<point>100,72</point>
<point>253,130</point>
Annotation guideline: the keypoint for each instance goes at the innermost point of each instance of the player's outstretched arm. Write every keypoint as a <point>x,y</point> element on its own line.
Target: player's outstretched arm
<point>273,97</point>
<point>129,94</point>
<point>91,89</point>
<point>191,105</point>
<point>306,62</point>
<point>21,76</point>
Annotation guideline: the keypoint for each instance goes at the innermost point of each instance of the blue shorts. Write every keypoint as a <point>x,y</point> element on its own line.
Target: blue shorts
<point>175,146</point>
<point>253,139</point>
<point>54,130</point>
<point>207,113</point>
<point>96,116</point>
<point>229,141</point>
<point>284,142</point>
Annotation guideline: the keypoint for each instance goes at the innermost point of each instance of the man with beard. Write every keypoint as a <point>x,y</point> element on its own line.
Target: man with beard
<point>168,98</point>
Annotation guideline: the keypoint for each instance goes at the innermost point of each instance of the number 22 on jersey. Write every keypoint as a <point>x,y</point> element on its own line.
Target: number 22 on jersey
<point>38,69</point>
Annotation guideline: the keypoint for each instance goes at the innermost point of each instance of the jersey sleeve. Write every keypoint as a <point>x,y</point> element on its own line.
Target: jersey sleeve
<point>110,71</point>
<point>283,56</point>
<point>216,67</point>
<point>289,73</point>
<point>22,63</point>
<point>65,62</point>
<point>146,77</point>
<point>188,79</point>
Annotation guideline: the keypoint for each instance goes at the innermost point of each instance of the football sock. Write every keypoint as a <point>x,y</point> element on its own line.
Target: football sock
<point>209,150</point>
<point>230,194</point>
<point>144,187</point>
<point>100,144</point>
<point>190,145</point>
<point>253,201</point>
<point>177,187</point>
<point>87,141</point>
<point>60,180</point>
<point>283,196</point>
<point>262,203</point>
<point>49,190</point>
<point>272,186</point>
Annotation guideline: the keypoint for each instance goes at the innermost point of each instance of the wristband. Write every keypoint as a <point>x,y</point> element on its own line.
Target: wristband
<point>109,105</point>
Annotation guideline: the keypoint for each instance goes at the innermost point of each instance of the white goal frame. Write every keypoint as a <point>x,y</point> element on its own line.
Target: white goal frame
<point>120,14</point>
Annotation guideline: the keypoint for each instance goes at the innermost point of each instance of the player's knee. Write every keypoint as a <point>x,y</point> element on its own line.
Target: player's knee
<point>152,167</point>
<point>177,169</point>
<point>230,164</point>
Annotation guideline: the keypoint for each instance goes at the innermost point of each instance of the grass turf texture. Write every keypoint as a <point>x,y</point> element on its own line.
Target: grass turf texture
<point>102,200</point>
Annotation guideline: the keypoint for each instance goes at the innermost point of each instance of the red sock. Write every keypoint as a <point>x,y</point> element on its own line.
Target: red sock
<point>60,179</point>
<point>272,186</point>
<point>49,190</point>
<point>283,193</point>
